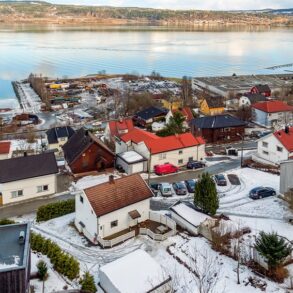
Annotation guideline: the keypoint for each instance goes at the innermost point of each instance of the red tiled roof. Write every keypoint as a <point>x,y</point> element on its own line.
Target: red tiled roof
<point>120,125</point>
<point>5,147</point>
<point>186,112</point>
<point>158,144</point>
<point>109,197</point>
<point>272,106</point>
<point>286,139</point>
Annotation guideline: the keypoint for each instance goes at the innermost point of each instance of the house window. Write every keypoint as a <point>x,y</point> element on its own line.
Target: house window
<point>190,159</point>
<point>265,144</point>
<point>42,188</point>
<point>81,199</point>
<point>180,152</point>
<point>114,224</point>
<point>265,152</point>
<point>162,156</point>
<point>180,161</point>
<point>279,149</point>
<point>16,193</point>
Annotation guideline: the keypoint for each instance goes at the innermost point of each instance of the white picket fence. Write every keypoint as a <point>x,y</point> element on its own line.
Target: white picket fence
<point>159,218</point>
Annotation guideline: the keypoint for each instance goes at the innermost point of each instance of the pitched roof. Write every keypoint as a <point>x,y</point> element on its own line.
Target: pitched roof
<point>119,125</point>
<point>262,88</point>
<point>27,167</point>
<point>286,139</point>
<point>254,98</point>
<point>4,147</point>
<point>217,121</point>
<point>151,112</point>
<point>78,143</point>
<point>59,132</point>
<point>215,102</point>
<point>109,197</point>
<point>158,144</point>
<point>186,112</point>
<point>272,106</point>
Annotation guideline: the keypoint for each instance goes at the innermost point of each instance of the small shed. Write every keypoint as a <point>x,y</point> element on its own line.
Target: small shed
<point>187,217</point>
<point>131,162</point>
<point>136,272</point>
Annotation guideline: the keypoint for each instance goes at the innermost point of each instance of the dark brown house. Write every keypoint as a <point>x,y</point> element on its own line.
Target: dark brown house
<point>84,152</point>
<point>219,128</point>
<point>15,258</point>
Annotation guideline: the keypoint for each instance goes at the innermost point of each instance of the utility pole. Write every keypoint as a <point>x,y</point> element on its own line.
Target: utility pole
<point>149,167</point>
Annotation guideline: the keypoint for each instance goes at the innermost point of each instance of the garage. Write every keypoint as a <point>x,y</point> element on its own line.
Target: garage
<point>131,162</point>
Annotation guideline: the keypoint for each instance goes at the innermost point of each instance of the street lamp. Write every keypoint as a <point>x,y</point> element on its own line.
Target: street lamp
<point>241,160</point>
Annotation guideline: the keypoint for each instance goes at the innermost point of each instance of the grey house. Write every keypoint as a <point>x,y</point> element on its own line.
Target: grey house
<point>286,171</point>
<point>15,258</point>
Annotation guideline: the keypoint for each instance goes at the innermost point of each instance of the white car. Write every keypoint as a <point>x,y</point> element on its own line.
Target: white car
<point>165,189</point>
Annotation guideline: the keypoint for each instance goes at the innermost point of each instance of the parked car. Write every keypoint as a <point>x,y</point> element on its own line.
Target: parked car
<point>165,189</point>
<point>190,185</point>
<point>220,180</point>
<point>165,169</point>
<point>195,165</point>
<point>261,192</point>
<point>180,188</point>
<point>155,187</point>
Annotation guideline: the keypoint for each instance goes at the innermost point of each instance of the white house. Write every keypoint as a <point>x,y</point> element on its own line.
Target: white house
<point>175,149</point>
<point>5,150</point>
<point>272,113</point>
<point>136,272</point>
<point>276,147</point>
<point>248,99</point>
<point>187,217</point>
<point>27,177</point>
<point>131,162</point>
<point>58,136</point>
<point>112,207</point>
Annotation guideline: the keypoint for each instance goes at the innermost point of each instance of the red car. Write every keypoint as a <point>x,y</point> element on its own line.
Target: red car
<point>165,169</point>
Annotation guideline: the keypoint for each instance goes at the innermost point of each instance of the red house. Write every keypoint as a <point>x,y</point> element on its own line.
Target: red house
<point>262,89</point>
<point>84,152</point>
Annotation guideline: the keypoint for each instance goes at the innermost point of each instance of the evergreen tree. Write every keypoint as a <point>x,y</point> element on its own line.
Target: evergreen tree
<point>273,248</point>
<point>175,125</point>
<point>42,272</point>
<point>88,283</point>
<point>205,195</point>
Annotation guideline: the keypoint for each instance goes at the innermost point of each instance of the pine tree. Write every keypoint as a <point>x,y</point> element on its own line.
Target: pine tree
<point>42,272</point>
<point>88,283</point>
<point>205,195</point>
<point>273,248</point>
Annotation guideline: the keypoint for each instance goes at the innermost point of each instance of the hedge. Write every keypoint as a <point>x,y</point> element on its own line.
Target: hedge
<point>62,262</point>
<point>55,210</point>
<point>6,222</point>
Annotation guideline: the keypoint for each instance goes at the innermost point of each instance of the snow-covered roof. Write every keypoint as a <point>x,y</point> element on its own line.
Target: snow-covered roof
<point>137,272</point>
<point>189,214</point>
<point>131,157</point>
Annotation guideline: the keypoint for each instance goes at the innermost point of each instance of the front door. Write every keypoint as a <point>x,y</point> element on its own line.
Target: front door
<point>1,199</point>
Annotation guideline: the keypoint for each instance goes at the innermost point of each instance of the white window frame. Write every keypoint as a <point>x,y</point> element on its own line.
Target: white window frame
<point>279,149</point>
<point>16,193</point>
<point>265,144</point>
<point>114,224</point>
<point>41,188</point>
<point>162,156</point>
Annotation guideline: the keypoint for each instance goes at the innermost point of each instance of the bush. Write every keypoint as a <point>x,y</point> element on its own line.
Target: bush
<point>54,210</point>
<point>6,222</point>
<point>62,262</point>
<point>88,283</point>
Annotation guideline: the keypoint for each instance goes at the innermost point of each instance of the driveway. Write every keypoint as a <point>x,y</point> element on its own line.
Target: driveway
<point>30,206</point>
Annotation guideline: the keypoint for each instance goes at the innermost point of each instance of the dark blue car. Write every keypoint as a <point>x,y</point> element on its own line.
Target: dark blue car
<point>195,165</point>
<point>190,185</point>
<point>261,192</point>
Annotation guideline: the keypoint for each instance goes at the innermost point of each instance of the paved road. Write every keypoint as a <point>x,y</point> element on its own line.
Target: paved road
<point>30,206</point>
<point>192,174</point>
<point>251,144</point>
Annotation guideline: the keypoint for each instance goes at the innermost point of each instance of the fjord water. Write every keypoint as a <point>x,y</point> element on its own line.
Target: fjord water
<point>55,50</point>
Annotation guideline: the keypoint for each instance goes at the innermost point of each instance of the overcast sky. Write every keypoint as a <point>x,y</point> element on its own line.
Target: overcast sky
<point>188,4</point>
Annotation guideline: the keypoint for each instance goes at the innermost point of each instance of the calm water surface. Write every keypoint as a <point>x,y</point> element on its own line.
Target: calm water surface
<point>74,51</point>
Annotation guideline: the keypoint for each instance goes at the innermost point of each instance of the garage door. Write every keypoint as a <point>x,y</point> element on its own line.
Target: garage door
<point>137,167</point>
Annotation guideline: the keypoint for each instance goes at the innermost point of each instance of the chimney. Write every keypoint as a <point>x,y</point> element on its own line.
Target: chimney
<point>21,237</point>
<point>111,179</point>
<point>287,130</point>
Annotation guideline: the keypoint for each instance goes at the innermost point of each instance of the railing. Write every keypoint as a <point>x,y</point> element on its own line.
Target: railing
<point>156,217</point>
<point>112,242</point>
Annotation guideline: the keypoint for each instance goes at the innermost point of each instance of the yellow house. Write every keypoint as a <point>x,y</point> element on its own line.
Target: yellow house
<point>171,105</point>
<point>212,106</point>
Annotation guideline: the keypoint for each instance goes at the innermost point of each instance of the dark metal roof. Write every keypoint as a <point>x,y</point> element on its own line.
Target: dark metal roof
<point>58,132</point>
<point>12,253</point>
<point>254,98</point>
<point>151,112</point>
<point>215,102</point>
<point>218,121</point>
<point>27,167</point>
<point>262,88</point>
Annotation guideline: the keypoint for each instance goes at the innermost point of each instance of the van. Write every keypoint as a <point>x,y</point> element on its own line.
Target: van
<point>165,189</point>
<point>165,169</point>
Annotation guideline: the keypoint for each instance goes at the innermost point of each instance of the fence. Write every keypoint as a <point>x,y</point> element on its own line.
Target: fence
<point>110,243</point>
<point>156,217</point>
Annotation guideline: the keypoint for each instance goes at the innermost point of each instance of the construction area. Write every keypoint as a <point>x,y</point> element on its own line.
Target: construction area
<point>225,85</point>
